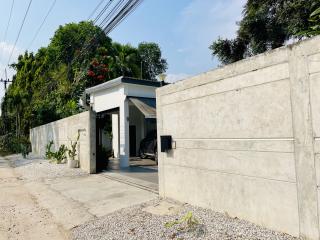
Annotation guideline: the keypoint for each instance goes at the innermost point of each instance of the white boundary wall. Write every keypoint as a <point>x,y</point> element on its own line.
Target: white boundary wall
<point>248,139</point>
<point>64,130</point>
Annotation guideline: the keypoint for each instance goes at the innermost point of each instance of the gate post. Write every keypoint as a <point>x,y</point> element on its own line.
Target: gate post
<point>303,143</point>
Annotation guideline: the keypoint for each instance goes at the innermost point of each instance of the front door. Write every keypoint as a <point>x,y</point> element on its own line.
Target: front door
<point>132,141</point>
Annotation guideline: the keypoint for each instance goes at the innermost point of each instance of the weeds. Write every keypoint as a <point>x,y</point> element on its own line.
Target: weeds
<point>188,223</point>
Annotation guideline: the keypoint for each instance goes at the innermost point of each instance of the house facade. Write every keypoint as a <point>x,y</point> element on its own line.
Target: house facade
<point>126,111</point>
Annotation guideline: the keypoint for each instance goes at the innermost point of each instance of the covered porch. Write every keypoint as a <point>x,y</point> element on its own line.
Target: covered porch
<point>126,113</point>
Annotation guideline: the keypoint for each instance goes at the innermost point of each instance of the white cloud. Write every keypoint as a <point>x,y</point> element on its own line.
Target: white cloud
<point>5,51</point>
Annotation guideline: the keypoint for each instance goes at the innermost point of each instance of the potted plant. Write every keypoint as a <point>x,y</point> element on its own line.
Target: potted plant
<point>72,153</point>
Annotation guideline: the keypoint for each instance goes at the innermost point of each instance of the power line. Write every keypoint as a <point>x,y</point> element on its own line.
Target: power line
<point>124,13</point>
<point>78,38</point>
<point>43,22</point>
<point>96,8</point>
<point>9,20</point>
<point>102,11</point>
<point>109,15</point>
<point>7,27</point>
<point>23,21</point>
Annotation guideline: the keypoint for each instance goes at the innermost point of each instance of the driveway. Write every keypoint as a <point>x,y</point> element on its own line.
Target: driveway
<point>142,171</point>
<point>68,197</point>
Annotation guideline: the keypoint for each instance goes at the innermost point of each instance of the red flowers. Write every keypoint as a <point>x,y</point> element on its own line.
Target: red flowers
<point>97,71</point>
<point>95,63</point>
<point>91,73</point>
<point>100,77</point>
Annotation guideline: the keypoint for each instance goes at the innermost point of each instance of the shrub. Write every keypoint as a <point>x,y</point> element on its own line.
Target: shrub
<point>10,144</point>
<point>49,153</point>
<point>60,155</point>
<point>73,151</point>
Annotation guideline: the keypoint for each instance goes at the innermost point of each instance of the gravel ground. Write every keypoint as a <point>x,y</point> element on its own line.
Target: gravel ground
<point>34,168</point>
<point>134,223</point>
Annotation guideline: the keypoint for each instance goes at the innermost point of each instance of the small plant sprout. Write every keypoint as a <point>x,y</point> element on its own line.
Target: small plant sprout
<point>187,222</point>
<point>49,153</point>
<point>60,155</point>
<point>73,151</point>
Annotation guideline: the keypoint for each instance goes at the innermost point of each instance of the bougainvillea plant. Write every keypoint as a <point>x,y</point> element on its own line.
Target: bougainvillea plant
<point>98,71</point>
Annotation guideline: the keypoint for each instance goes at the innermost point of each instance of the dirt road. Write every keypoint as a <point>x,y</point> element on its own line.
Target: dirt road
<point>21,217</point>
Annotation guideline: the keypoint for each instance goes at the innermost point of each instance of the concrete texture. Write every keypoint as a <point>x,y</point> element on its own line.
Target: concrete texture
<point>65,130</point>
<point>247,139</point>
<point>164,208</point>
<point>143,169</point>
<point>21,217</point>
<point>55,203</point>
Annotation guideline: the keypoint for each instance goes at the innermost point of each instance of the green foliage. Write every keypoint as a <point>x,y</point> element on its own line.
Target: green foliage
<point>314,29</point>
<point>49,153</point>
<point>25,146</point>
<point>266,24</point>
<point>186,223</point>
<point>73,151</point>
<point>152,62</point>
<point>59,156</point>
<point>9,144</point>
<point>48,84</point>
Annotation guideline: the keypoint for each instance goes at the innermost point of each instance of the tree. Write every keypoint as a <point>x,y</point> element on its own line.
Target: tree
<point>48,84</point>
<point>266,24</point>
<point>74,43</point>
<point>125,60</point>
<point>152,63</point>
<point>315,28</point>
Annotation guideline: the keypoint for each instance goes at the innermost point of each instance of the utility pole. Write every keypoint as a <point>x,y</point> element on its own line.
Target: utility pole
<point>5,81</point>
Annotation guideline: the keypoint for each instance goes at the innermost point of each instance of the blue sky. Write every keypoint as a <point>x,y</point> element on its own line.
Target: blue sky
<point>184,29</point>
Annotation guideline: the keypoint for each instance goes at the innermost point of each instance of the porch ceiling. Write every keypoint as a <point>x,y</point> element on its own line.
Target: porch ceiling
<point>147,106</point>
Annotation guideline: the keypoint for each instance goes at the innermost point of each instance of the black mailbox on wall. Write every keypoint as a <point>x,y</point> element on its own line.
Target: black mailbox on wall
<point>166,143</point>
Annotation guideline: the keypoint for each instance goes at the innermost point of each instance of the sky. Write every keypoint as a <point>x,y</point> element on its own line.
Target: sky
<point>184,29</point>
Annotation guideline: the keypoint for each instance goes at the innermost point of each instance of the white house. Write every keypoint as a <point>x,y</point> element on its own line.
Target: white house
<point>130,105</point>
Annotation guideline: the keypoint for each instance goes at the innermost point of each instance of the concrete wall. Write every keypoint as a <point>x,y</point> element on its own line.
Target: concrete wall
<point>248,139</point>
<point>62,131</point>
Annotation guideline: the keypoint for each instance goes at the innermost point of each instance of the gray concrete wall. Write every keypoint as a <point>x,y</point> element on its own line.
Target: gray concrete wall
<point>247,139</point>
<point>64,130</point>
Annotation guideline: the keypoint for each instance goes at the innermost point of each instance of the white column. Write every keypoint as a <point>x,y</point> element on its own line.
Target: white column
<point>124,134</point>
<point>115,135</point>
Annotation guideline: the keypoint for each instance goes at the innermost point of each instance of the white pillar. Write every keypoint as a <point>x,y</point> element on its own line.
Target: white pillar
<point>124,134</point>
<point>115,135</point>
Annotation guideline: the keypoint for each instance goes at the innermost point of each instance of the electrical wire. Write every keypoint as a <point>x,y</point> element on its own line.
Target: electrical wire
<point>96,8</point>
<point>6,30</point>
<point>102,11</point>
<point>124,13</point>
<point>115,16</point>
<point>9,20</point>
<point>43,22</point>
<point>18,36</point>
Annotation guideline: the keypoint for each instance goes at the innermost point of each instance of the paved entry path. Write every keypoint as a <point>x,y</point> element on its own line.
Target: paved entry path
<point>39,200</point>
<point>142,172</point>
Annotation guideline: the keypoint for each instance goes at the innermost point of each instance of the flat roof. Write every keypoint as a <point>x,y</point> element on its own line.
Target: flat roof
<point>120,80</point>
